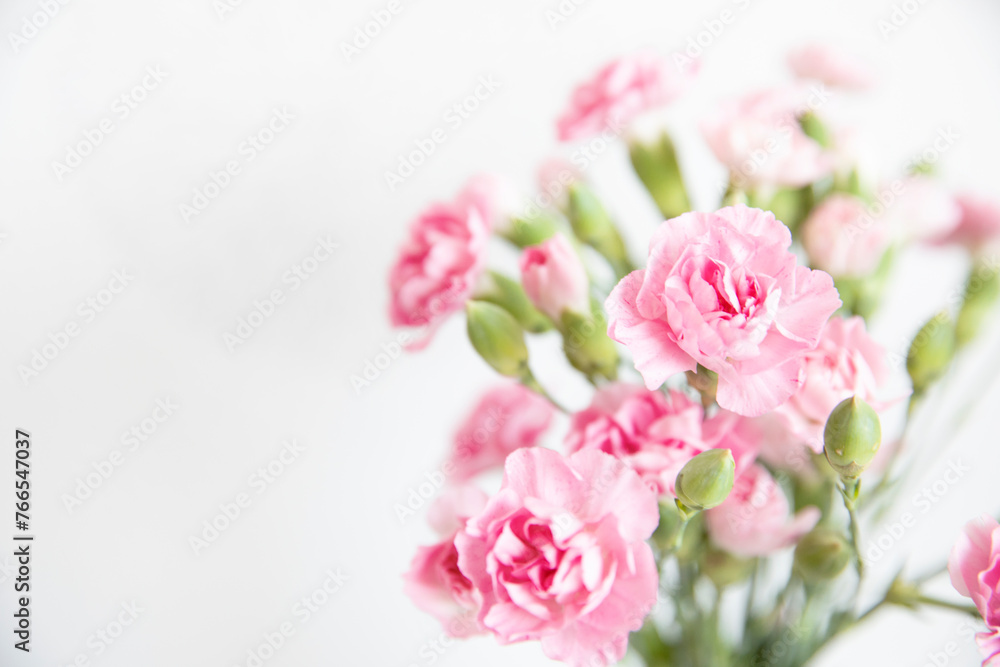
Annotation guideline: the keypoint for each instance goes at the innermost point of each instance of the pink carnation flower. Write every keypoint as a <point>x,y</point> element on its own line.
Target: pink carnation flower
<point>924,210</point>
<point>554,278</point>
<point>979,223</point>
<point>722,290</point>
<point>755,520</point>
<point>656,434</point>
<point>434,581</point>
<point>619,92</point>
<point>975,573</point>
<point>506,418</point>
<point>560,555</point>
<point>439,264</point>
<point>832,67</point>
<point>847,362</point>
<point>843,238</point>
<point>758,138</point>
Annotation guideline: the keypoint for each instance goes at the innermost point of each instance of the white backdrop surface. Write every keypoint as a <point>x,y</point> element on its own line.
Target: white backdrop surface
<point>156,332</point>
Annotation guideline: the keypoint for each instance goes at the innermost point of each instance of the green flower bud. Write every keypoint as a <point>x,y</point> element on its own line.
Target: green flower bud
<point>658,169</point>
<point>497,337</point>
<point>814,128</point>
<point>502,291</point>
<point>593,226</point>
<point>821,555</point>
<point>706,480</point>
<point>725,569</point>
<point>533,230</point>
<point>931,352</point>
<point>587,346</point>
<point>981,292</point>
<point>852,437</point>
<point>791,205</point>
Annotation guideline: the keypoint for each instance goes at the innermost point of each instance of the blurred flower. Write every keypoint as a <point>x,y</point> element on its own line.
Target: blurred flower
<point>656,434</point>
<point>842,238</point>
<point>434,582</point>
<point>559,555</point>
<point>978,224</point>
<point>439,265</point>
<point>755,520</point>
<point>759,139</point>
<point>495,197</point>
<point>619,92</point>
<point>506,418</point>
<point>975,573</point>
<point>833,67</point>
<point>554,278</point>
<point>847,362</point>
<point>924,211</point>
<point>722,290</point>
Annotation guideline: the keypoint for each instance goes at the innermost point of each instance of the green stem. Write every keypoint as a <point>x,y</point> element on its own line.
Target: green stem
<point>849,491</point>
<point>528,380</point>
<point>943,604</point>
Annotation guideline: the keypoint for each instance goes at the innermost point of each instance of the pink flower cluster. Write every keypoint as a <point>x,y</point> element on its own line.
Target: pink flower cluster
<point>619,92</point>
<point>439,265</point>
<point>722,290</point>
<point>656,433</point>
<point>558,555</point>
<point>975,573</point>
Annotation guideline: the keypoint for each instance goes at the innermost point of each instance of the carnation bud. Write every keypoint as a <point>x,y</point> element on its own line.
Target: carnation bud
<point>554,278</point>
<point>981,292</point>
<point>657,167</point>
<point>497,337</point>
<point>725,569</point>
<point>502,291</point>
<point>706,480</point>
<point>814,128</point>
<point>821,555</point>
<point>587,346</point>
<point>852,437</point>
<point>593,226</point>
<point>930,352</point>
<point>525,231</point>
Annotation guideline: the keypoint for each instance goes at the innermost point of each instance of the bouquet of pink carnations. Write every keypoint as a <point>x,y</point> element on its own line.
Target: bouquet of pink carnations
<point>732,452</point>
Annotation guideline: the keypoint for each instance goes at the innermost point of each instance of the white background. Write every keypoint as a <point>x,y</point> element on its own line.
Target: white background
<point>163,335</point>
